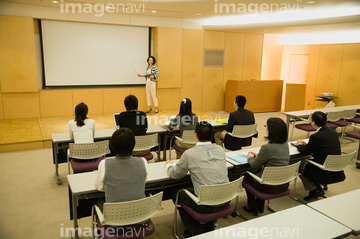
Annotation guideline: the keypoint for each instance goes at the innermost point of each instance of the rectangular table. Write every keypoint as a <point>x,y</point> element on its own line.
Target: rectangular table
<point>60,142</point>
<point>301,222</point>
<point>343,208</point>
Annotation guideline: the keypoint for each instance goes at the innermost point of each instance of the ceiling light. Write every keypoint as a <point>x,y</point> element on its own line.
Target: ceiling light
<point>153,11</point>
<point>199,14</point>
<point>311,2</point>
<point>266,30</point>
<point>315,28</point>
<point>55,1</point>
<point>343,26</point>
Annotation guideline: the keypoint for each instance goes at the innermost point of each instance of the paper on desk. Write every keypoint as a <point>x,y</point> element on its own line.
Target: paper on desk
<point>221,121</point>
<point>241,159</point>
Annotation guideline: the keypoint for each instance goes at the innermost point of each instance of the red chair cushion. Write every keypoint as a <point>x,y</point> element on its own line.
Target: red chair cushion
<point>353,134</point>
<point>261,195</point>
<point>86,166</point>
<point>207,217</point>
<point>108,233</point>
<point>180,150</point>
<point>340,123</point>
<point>305,127</point>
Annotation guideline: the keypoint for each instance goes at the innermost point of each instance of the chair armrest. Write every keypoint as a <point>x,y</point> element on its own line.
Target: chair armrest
<point>176,137</point>
<point>255,177</point>
<point>192,196</point>
<point>317,164</point>
<point>356,127</point>
<point>99,214</point>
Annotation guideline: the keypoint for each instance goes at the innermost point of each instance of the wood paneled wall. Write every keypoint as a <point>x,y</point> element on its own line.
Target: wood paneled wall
<point>179,54</point>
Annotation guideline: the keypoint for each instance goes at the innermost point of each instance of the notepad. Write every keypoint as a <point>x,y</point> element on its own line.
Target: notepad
<point>221,121</point>
<point>241,159</point>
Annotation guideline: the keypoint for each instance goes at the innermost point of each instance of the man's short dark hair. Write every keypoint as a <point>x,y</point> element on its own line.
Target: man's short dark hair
<point>319,118</point>
<point>240,101</point>
<point>204,131</point>
<point>131,102</point>
<point>122,142</point>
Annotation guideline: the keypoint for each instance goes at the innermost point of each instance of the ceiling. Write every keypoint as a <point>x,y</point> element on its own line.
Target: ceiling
<point>251,16</point>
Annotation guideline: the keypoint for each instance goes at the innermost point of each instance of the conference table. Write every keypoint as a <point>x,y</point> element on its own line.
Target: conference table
<point>295,115</point>
<point>60,141</point>
<point>343,208</point>
<point>301,222</point>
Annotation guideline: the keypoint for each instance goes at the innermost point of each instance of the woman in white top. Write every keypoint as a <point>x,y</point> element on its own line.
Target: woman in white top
<point>82,129</point>
<point>151,76</point>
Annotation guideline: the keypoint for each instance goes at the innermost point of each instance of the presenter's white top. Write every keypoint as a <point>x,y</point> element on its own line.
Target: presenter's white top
<point>83,134</point>
<point>148,72</point>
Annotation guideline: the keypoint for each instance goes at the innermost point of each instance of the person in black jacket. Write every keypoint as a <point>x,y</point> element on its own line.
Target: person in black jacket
<point>321,144</point>
<point>239,117</point>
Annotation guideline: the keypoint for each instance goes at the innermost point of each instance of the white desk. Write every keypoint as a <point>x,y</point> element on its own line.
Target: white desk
<point>64,138</point>
<point>344,208</point>
<point>299,222</point>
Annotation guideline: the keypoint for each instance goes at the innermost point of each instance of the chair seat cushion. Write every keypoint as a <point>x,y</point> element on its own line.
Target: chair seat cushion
<point>331,125</point>
<point>305,127</point>
<point>108,232</point>
<point>207,217</point>
<point>180,150</point>
<point>85,166</point>
<point>261,195</point>
<point>148,156</point>
<point>353,134</point>
<point>340,123</point>
<point>355,120</point>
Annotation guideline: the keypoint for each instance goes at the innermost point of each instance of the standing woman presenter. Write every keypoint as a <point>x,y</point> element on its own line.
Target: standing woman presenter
<point>151,76</point>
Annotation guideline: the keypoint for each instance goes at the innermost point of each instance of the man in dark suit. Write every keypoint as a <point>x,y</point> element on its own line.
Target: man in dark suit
<point>321,144</point>
<point>239,117</point>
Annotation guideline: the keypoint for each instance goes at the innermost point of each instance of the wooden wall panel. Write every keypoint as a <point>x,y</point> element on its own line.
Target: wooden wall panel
<point>313,51</point>
<point>140,94</point>
<point>21,105</point>
<point>93,98</point>
<point>114,99</point>
<point>328,71</point>
<point>56,103</point>
<point>192,65</point>
<point>252,56</point>
<point>212,91</point>
<point>270,95</point>
<point>169,50</point>
<point>168,99</point>
<point>349,84</point>
<point>18,72</point>
<point>1,108</point>
<point>234,56</point>
<point>271,58</point>
<point>214,40</point>
<point>295,97</point>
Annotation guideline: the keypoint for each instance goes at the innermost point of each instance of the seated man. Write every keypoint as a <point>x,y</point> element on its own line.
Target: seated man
<point>207,166</point>
<point>321,144</point>
<point>239,117</point>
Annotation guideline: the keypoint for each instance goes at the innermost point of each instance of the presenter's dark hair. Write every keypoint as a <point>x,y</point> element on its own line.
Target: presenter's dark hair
<point>154,60</point>
<point>240,101</point>
<point>319,118</point>
<point>122,142</point>
<point>81,111</point>
<point>185,107</point>
<point>204,131</point>
<point>277,130</point>
<point>131,102</point>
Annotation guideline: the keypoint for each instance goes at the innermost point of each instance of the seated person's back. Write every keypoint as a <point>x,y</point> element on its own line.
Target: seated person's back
<point>81,129</point>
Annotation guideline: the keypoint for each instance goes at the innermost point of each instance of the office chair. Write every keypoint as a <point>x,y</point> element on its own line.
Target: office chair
<point>144,143</point>
<point>355,135</point>
<point>122,215</point>
<point>211,195</point>
<point>343,122</point>
<point>242,131</point>
<point>187,138</point>
<point>88,156</point>
<point>273,176</point>
<point>334,163</point>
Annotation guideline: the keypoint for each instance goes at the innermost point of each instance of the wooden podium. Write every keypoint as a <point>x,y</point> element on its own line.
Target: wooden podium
<point>261,96</point>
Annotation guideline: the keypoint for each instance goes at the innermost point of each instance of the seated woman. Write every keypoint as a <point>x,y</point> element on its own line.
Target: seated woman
<point>275,153</point>
<point>185,120</point>
<point>122,178</point>
<point>82,129</point>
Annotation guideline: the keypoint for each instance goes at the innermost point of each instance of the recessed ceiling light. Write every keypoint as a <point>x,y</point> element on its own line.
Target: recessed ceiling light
<point>199,14</point>
<point>55,1</point>
<point>153,11</point>
<point>315,28</point>
<point>266,30</point>
<point>311,2</point>
<point>343,26</point>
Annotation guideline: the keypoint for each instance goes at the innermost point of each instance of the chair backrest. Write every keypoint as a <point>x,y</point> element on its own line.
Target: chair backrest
<point>126,213</point>
<point>280,175</point>
<point>337,163</point>
<point>349,114</point>
<point>244,131</point>
<point>221,193</point>
<point>334,115</point>
<point>89,151</point>
<point>145,142</point>
<point>188,137</point>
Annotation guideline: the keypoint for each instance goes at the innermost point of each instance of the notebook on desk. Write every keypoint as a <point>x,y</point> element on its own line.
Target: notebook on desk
<point>116,119</point>
<point>241,158</point>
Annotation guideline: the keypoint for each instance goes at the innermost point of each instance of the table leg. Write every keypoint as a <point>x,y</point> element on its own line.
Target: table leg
<point>74,209</point>
<point>164,139</point>
<point>55,153</point>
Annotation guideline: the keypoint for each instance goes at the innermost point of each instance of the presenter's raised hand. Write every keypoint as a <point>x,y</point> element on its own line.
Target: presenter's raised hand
<point>140,75</point>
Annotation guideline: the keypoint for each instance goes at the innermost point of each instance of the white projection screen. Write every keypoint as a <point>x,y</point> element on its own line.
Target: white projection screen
<point>87,54</point>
